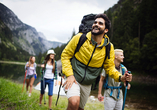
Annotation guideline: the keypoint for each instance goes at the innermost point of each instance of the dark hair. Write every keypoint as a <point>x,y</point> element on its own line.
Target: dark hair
<point>107,21</point>
<point>52,61</point>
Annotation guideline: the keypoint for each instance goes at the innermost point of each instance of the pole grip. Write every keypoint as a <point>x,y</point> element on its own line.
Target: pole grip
<point>127,81</point>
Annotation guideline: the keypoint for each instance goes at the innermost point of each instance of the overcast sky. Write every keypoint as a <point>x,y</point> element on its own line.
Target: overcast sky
<point>56,19</point>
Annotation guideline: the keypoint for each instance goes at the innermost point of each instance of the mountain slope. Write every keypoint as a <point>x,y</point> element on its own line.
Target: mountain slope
<point>24,35</point>
<point>8,48</point>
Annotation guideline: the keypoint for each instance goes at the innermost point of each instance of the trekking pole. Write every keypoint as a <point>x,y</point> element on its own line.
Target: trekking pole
<point>44,87</point>
<point>59,89</point>
<point>24,80</point>
<point>125,92</point>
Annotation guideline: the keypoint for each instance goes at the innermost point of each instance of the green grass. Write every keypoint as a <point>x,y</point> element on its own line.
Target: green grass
<point>12,98</point>
<point>143,97</point>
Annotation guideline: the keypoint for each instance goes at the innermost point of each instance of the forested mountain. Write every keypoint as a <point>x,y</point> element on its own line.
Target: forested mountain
<point>23,35</point>
<point>134,29</point>
<point>8,49</point>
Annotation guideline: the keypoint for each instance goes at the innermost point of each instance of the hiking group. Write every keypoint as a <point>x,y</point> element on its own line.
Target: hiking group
<point>48,72</point>
<point>83,59</point>
<point>82,66</point>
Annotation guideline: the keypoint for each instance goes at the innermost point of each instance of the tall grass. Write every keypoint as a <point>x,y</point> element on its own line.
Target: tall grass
<point>12,98</point>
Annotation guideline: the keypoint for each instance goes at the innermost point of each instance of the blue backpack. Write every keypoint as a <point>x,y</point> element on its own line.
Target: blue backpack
<point>106,86</point>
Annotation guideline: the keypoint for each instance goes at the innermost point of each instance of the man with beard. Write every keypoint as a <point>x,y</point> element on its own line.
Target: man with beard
<point>83,67</point>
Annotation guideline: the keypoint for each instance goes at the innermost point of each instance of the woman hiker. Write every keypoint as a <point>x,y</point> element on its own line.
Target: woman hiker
<point>31,74</point>
<point>49,73</point>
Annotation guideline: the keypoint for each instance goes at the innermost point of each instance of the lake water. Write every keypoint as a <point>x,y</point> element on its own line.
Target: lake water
<point>16,72</point>
<point>141,96</point>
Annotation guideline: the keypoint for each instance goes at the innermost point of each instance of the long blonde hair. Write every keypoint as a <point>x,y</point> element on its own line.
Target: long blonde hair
<point>30,60</point>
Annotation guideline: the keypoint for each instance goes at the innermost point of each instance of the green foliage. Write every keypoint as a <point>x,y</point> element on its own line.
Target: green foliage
<point>149,52</point>
<point>133,54</point>
<point>58,51</point>
<point>146,17</point>
<point>133,29</point>
<point>38,58</point>
<point>9,49</point>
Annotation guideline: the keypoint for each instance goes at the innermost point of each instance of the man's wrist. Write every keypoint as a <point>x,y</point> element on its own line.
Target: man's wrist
<point>70,76</point>
<point>99,93</point>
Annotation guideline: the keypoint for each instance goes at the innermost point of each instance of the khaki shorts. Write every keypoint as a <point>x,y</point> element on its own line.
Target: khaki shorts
<point>79,90</point>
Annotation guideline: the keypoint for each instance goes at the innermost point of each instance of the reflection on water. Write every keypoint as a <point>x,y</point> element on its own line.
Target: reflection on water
<point>16,72</point>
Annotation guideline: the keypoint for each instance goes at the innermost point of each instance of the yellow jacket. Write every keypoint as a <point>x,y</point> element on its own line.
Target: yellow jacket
<point>88,62</point>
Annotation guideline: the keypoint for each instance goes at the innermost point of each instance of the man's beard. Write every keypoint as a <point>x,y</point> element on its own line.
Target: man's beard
<point>97,33</point>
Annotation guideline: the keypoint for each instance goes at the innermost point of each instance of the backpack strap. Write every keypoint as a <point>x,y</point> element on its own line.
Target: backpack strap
<point>106,82</point>
<point>113,87</point>
<point>123,69</point>
<point>106,86</point>
<point>80,43</point>
<point>55,73</point>
<point>108,48</point>
<point>83,39</point>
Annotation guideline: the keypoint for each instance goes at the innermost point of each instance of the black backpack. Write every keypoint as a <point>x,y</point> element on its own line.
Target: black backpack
<point>85,27</point>
<point>86,23</point>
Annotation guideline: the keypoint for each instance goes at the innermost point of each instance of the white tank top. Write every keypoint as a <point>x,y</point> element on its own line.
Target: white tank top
<point>48,72</point>
<point>31,71</point>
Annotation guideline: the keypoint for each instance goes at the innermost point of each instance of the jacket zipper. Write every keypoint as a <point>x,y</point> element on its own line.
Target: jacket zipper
<point>88,63</point>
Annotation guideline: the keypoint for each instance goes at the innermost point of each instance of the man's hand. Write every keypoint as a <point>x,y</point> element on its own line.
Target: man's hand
<point>126,77</point>
<point>69,82</point>
<point>129,86</point>
<point>100,97</point>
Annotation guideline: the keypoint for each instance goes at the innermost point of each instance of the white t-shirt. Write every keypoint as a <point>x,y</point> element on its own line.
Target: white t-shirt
<point>48,72</point>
